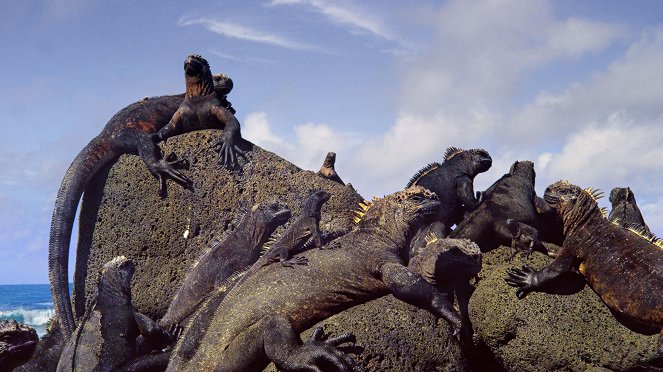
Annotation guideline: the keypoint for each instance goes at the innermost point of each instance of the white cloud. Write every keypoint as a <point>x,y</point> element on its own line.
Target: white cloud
<point>344,15</point>
<point>236,31</point>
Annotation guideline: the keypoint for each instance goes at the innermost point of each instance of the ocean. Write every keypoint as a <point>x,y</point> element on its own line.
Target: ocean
<point>27,303</point>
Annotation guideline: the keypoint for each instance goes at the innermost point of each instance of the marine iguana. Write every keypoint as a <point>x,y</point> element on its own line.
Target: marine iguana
<point>452,181</point>
<point>17,343</point>
<point>127,132</point>
<point>327,169</point>
<point>625,211</point>
<point>260,319</point>
<point>508,214</point>
<point>623,268</point>
<point>305,228</point>
<point>240,249</point>
<point>106,336</point>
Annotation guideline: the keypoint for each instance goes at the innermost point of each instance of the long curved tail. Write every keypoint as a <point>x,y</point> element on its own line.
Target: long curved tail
<point>88,162</point>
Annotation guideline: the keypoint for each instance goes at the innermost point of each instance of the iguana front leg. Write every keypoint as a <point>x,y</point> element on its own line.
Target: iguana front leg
<point>528,280</point>
<point>523,237</point>
<point>161,169</point>
<point>465,192</point>
<point>409,287</point>
<point>227,145</point>
<point>152,336</point>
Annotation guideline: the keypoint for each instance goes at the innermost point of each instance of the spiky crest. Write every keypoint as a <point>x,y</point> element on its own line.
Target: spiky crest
<point>364,206</point>
<point>430,238</point>
<point>422,172</point>
<point>451,152</point>
<point>596,194</point>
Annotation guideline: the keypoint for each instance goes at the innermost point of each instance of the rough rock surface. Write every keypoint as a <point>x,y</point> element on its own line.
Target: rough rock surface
<point>396,336</point>
<point>163,237</point>
<point>45,358</point>
<point>551,332</point>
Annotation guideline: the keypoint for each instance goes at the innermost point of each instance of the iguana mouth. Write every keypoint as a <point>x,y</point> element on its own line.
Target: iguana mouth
<point>550,198</point>
<point>192,66</point>
<point>23,350</point>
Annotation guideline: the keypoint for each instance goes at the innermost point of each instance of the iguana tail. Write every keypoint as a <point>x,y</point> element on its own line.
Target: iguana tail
<point>87,163</point>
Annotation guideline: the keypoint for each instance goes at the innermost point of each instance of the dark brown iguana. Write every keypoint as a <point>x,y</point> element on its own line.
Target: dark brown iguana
<point>508,214</point>
<point>623,268</point>
<point>128,132</point>
<point>625,211</point>
<point>452,181</point>
<point>303,229</point>
<point>17,343</point>
<point>327,169</point>
<point>260,319</point>
<point>239,250</point>
<point>106,336</point>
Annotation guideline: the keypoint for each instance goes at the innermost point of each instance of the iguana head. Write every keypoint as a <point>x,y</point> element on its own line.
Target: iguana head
<point>399,215</point>
<point>572,202</point>
<point>223,84</point>
<point>524,168</point>
<point>116,276</point>
<point>17,343</point>
<point>264,219</point>
<point>620,195</point>
<point>198,77</point>
<point>312,205</point>
<point>472,162</point>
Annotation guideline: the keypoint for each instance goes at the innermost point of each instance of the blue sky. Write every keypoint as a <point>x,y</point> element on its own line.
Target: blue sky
<point>574,86</point>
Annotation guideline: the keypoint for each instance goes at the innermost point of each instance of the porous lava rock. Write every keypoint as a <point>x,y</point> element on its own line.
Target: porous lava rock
<point>553,332</point>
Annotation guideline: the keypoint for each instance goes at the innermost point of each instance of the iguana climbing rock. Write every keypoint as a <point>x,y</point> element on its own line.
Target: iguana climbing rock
<point>17,343</point>
<point>623,268</point>
<point>508,214</point>
<point>239,250</point>
<point>260,319</point>
<point>128,132</point>
<point>452,181</point>
<point>106,336</point>
<point>625,211</point>
<point>327,169</point>
<point>305,228</point>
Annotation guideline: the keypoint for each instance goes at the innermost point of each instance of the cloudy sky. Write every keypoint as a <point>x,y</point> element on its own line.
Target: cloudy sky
<point>576,87</point>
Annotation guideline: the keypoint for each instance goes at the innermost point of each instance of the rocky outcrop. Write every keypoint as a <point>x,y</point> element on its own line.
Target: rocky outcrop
<point>551,332</point>
<point>163,237</point>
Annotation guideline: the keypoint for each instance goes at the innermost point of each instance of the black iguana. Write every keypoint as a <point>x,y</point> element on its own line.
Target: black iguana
<point>129,131</point>
<point>625,211</point>
<point>452,181</point>
<point>107,335</point>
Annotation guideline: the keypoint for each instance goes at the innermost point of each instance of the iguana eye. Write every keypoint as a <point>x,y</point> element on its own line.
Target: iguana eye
<point>417,198</point>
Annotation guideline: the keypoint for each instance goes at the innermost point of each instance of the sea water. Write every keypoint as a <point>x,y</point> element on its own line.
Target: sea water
<point>27,303</point>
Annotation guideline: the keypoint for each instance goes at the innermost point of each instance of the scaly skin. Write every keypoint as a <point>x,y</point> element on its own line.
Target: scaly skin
<point>624,269</point>
<point>304,228</point>
<point>452,181</point>
<point>17,343</point>
<point>508,214</point>
<point>260,319</point>
<point>128,132</point>
<point>625,211</point>
<point>239,250</point>
<point>107,335</point>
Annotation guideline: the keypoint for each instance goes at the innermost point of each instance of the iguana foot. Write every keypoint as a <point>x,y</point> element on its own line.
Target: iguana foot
<point>524,279</point>
<point>228,152</point>
<point>297,260</point>
<point>164,169</point>
<point>321,353</point>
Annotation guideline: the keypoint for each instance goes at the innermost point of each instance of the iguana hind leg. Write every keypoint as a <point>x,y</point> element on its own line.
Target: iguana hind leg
<point>273,338</point>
